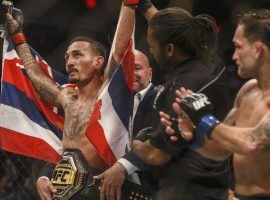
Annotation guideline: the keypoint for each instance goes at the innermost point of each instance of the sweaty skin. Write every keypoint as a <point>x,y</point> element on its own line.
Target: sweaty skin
<point>252,171</point>
<point>83,66</point>
<point>245,131</point>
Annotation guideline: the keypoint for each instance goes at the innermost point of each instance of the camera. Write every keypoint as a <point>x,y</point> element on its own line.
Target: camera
<point>5,7</point>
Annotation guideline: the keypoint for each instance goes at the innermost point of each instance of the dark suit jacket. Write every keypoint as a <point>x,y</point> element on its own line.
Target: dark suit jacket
<point>142,119</point>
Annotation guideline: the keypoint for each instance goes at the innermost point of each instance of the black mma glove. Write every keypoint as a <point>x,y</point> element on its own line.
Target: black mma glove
<point>161,140</point>
<point>199,109</point>
<point>143,5</point>
<point>196,106</point>
<point>16,25</point>
<point>144,134</point>
<point>140,5</point>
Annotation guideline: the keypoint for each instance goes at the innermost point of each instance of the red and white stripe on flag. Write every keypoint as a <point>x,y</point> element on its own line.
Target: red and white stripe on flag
<point>28,125</point>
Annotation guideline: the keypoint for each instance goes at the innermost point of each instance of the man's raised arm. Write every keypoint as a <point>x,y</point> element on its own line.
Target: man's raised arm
<point>121,40</point>
<point>45,86</point>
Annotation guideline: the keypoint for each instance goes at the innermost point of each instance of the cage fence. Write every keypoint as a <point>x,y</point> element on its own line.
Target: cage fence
<point>18,175</point>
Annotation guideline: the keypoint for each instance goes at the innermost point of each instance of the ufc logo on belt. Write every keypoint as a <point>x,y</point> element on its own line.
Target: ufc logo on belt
<point>62,176</point>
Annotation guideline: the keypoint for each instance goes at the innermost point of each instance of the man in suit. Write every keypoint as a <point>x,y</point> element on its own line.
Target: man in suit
<point>145,92</point>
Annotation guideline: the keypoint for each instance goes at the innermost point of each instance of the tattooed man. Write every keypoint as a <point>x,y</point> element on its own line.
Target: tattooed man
<point>84,58</point>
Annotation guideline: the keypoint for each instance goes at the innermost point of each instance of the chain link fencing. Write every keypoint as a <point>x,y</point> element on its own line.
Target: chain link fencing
<point>18,175</point>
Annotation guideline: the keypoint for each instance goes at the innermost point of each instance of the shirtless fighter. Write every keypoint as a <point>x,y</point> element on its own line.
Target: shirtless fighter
<point>246,131</point>
<point>84,60</point>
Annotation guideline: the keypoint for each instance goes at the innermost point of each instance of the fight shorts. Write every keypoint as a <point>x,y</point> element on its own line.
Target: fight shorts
<point>241,197</point>
<point>73,179</point>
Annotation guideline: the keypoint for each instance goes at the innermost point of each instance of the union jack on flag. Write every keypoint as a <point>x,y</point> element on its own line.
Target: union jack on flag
<point>31,127</point>
<point>28,125</point>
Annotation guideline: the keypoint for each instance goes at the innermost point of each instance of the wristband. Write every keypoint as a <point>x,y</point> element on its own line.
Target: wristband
<point>131,3</point>
<point>206,125</point>
<point>204,128</point>
<point>18,39</point>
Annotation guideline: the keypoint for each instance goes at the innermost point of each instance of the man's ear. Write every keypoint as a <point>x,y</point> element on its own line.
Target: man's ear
<point>170,48</point>
<point>259,48</point>
<point>150,73</point>
<point>99,60</point>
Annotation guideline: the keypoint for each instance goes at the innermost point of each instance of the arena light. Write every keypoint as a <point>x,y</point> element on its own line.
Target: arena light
<point>91,3</point>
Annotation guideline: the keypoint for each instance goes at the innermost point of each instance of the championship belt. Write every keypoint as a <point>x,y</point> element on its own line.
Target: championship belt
<point>133,191</point>
<point>73,176</point>
<point>70,175</point>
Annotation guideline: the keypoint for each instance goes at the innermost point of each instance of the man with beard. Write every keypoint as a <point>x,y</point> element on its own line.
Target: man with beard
<point>184,47</point>
<point>84,58</point>
<point>245,131</point>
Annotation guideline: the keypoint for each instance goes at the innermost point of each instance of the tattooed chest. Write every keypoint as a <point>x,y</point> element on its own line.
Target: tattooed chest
<point>76,120</point>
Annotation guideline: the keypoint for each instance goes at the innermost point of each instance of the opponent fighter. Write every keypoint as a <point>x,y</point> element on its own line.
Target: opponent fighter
<point>246,131</point>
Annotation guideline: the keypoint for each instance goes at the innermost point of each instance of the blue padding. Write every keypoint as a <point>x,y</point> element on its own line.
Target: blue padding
<point>206,124</point>
<point>204,128</point>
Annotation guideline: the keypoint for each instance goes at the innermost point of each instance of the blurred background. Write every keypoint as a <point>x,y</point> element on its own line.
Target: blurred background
<point>50,24</point>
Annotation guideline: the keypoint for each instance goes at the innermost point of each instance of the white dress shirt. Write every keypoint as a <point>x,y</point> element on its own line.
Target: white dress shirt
<point>137,99</point>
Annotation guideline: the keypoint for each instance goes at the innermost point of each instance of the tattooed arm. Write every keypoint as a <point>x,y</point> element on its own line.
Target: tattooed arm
<point>122,38</point>
<point>244,141</point>
<point>45,86</point>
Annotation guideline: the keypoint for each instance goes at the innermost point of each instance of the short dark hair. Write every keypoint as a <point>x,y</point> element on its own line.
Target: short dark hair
<point>95,46</point>
<point>193,36</point>
<point>256,25</point>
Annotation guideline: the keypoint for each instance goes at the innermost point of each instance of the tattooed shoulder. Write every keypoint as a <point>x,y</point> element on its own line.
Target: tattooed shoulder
<point>69,96</point>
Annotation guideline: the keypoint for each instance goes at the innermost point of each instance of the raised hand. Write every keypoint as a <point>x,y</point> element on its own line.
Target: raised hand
<point>15,21</point>
<point>140,5</point>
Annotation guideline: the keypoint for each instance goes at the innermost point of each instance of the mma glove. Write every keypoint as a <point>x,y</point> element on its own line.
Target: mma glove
<point>159,139</point>
<point>17,25</point>
<point>144,134</point>
<point>140,5</point>
<point>200,111</point>
<point>143,5</point>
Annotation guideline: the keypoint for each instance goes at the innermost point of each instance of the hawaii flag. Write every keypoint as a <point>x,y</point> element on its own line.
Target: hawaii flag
<point>31,127</point>
<point>28,125</point>
<point>108,128</point>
